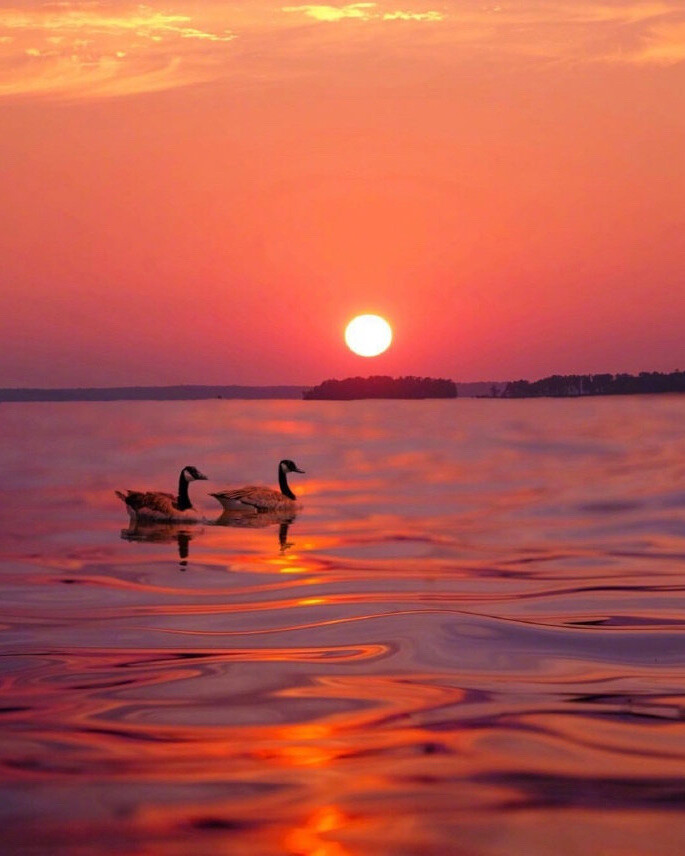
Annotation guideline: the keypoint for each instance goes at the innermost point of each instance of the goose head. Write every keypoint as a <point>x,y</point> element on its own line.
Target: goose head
<point>192,474</point>
<point>288,466</point>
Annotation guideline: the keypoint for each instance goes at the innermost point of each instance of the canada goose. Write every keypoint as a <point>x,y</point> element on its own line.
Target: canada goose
<point>262,498</point>
<point>155,505</point>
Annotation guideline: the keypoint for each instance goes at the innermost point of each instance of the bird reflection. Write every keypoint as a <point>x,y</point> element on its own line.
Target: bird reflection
<point>164,533</point>
<point>250,520</point>
<point>283,536</point>
<point>182,534</point>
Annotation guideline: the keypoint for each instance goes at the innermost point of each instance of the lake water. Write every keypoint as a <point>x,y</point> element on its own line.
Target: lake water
<point>471,640</point>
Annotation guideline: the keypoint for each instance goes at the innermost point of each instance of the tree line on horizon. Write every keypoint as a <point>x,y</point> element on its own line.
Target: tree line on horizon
<point>382,386</point>
<point>573,386</point>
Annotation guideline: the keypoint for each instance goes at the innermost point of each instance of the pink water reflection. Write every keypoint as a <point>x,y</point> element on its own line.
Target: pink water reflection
<point>470,639</point>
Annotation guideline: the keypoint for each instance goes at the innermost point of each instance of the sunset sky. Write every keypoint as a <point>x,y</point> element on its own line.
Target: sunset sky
<point>207,192</point>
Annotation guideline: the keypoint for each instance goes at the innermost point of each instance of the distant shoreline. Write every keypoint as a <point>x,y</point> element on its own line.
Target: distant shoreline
<point>188,392</point>
<point>593,385</point>
<point>152,393</point>
<point>556,386</point>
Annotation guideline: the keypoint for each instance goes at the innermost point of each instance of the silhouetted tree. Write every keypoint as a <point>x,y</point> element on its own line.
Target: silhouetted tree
<point>561,386</point>
<point>382,386</point>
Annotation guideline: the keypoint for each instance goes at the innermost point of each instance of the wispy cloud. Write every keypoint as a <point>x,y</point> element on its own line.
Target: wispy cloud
<point>102,48</point>
<point>651,31</point>
<point>664,44</point>
<point>362,12</point>
<point>90,48</point>
<point>94,19</point>
<point>589,31</point>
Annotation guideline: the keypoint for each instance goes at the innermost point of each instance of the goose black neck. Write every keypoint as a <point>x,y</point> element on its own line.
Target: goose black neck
<point>183,498</point>
<point>283,484</point>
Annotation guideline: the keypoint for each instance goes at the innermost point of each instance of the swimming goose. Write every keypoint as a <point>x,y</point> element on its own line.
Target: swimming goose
<point>155,505</point>
<point>262,498</point>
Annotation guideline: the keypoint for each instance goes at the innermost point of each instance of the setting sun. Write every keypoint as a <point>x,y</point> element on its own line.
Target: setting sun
<point>368,335</point>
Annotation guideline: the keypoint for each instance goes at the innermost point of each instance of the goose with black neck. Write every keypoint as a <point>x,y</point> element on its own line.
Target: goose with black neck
<point>259,498</point>
<point>156,505</point>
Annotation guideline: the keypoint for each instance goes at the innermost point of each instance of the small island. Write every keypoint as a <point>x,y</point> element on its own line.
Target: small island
<point>381,386</point>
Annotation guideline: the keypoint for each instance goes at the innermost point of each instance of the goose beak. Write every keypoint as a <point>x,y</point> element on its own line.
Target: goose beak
<point>201,476</point>
<point>298,470</point>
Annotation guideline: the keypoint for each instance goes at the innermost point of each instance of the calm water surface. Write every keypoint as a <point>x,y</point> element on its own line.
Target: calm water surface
<point>471,640</point>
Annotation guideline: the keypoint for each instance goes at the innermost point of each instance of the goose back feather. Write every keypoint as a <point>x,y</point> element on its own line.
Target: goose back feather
<point>255,496</point>
<point>262,498</point>
<point>157,505</point>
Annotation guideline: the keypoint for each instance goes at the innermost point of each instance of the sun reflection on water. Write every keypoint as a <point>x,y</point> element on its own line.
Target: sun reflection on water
<point>311,838</point>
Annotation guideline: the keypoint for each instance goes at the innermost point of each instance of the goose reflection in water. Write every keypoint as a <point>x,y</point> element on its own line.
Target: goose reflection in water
<point>164,533</point>
<point>167,533</point>
<point>250,520</point>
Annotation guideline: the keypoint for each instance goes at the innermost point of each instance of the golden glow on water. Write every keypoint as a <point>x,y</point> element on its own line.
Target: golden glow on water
<point>475,626</point>
<point>311,839</point>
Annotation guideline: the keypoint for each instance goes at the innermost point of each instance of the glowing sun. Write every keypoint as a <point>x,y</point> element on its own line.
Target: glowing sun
<point>368,335</point>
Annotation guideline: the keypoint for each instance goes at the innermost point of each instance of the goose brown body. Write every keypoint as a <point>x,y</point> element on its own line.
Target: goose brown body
<point>255,496</point>
<point>157,505</point>
<point>262,498</point>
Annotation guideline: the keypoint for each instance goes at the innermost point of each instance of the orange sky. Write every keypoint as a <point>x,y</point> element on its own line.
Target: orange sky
<point>207,192</point>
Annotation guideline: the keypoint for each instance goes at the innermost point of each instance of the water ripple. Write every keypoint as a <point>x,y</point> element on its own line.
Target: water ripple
<point>472,633</point>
